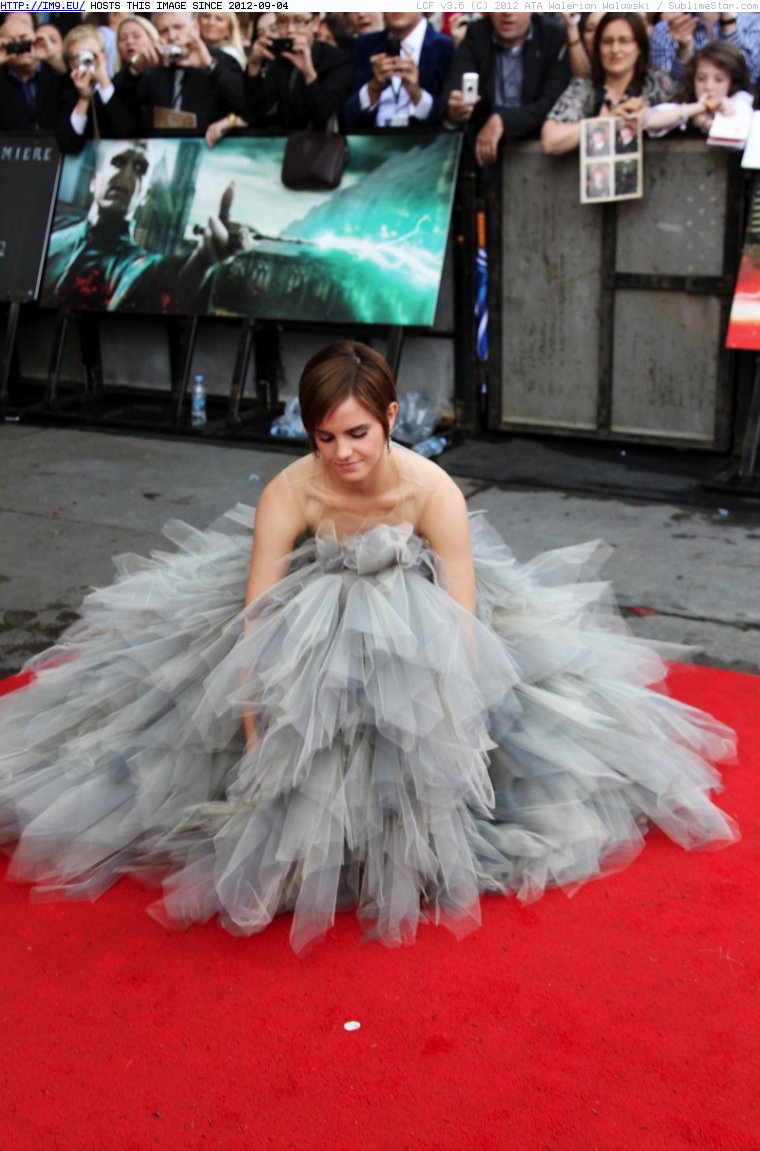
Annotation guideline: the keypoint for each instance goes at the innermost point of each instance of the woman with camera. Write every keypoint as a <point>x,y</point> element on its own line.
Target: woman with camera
<point>90,105</point>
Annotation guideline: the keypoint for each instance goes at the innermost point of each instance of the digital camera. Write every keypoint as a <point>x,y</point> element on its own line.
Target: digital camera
<point>86,60</point>
<point>470,82</point>
<point>281,44</point>
<point>18,47</point>
<point>172,53</point>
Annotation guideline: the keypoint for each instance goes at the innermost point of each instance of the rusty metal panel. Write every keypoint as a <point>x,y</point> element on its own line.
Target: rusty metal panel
<point>552,289</point>
<point>665,366</point>
<point>677,229</point>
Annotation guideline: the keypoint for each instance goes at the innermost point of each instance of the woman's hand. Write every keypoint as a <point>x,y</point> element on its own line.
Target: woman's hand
<point>149,56</point>
<point>630,109</point>
<point>219,129</point>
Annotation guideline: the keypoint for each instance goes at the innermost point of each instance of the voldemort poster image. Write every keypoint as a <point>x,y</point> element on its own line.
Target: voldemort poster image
<point>172,226</point>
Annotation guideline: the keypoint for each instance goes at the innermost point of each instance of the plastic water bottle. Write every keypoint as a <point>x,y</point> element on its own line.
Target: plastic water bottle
<point>431,447</point>
<point>198,403</point>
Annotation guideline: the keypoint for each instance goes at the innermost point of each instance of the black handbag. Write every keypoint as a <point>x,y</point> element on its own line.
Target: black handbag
<point>314,160</point>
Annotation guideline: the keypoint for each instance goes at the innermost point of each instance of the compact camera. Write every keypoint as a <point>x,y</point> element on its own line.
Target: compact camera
<point>18,47</point>
<point>392,45</point>
<point>86,60</point>
<point>281,44</point>
<point>470,87</point>
<point>172,53</point>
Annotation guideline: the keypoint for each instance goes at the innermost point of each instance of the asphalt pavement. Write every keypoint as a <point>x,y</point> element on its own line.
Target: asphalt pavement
<point>71,499</point>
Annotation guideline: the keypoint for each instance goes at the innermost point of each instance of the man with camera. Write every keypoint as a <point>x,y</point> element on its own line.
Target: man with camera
<point>183,75</point>
<point>29,88</point>
<point>295,80</point>
<point>400,74</point>
<point>521,61</point>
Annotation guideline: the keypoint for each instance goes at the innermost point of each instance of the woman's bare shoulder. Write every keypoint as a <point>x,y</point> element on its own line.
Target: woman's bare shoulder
<point>428,474</point>
<point>285,490</point>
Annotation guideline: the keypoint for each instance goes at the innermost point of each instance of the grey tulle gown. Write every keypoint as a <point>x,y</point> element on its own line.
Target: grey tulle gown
<point>410,757</point>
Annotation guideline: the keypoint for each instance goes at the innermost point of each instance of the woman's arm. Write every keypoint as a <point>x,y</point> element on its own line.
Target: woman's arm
<point>445,525</point>
<point>561,130</point>
<point>580,65</point>
<point>663,117</point>
<point>279,522</point>
<point>559,136</point>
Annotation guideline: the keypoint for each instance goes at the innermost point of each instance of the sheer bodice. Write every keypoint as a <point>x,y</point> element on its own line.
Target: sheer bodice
<point>332,512</point>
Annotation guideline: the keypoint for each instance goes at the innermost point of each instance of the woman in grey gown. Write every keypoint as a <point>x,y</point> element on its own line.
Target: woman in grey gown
<point>380,708</point>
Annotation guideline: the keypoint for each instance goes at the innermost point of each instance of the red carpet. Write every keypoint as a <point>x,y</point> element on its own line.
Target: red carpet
<point>624,1018</point>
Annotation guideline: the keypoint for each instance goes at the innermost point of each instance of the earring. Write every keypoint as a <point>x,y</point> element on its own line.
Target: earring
<point>316,453</point>
<point>389,445</point>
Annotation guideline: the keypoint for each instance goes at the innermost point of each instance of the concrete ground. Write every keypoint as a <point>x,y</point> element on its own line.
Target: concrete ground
<point>69,500</point>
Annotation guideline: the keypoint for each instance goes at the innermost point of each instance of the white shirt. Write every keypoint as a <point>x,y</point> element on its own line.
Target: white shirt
<point>395,108</point>
<point>78,121</point>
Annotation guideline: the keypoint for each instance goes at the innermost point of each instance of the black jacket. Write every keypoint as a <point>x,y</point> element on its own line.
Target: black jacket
<point>435,61</point>
<point>279,98</point>
<point>15,113</point>
<point>114,120</point>
<point>546,74</point>
<point>210,95</point>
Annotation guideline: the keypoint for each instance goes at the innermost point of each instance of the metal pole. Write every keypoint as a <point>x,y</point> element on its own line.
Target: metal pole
<point>9,344</point>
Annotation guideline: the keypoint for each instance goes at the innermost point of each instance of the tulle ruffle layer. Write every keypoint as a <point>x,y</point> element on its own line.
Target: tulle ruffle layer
<point>409,756</point>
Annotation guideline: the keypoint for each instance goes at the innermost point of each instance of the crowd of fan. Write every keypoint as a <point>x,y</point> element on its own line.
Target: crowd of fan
<point>125,76</point>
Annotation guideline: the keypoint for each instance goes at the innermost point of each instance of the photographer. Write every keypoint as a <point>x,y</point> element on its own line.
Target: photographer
<point>521,61</point>
<point>186,76</point>
<point>29,88</point>
<point>400,74</point>
<point>90,106</point>
<point>48,47</point>
<point>294,80</point>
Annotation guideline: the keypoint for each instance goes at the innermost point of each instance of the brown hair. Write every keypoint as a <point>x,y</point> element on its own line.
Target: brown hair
<point>640,35</point>
<point>724,55</point>
<point>340,371</point>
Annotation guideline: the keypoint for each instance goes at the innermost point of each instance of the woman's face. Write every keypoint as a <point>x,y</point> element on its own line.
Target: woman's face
<point>214,26</point>
<point>351,440</point>
<point>86,44</point>
<point>589,28</point>
<point>711,81</point>
<point>618,49</point>
<point>266,24</point>
<point>324,34</point>
<point>132,39</point>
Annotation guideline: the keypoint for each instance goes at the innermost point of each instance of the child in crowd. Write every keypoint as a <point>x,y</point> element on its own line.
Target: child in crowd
<point>716,79</point>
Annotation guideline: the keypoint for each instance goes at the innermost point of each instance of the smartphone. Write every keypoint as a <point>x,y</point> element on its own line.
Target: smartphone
<point>392,45</point>
<point>470,82</point>
<point>281,44</point>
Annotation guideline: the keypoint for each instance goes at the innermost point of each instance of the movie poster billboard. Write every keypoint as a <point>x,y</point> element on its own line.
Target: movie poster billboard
<point>29,167</point>
<point>744,321</point>
<point>173,226</point>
